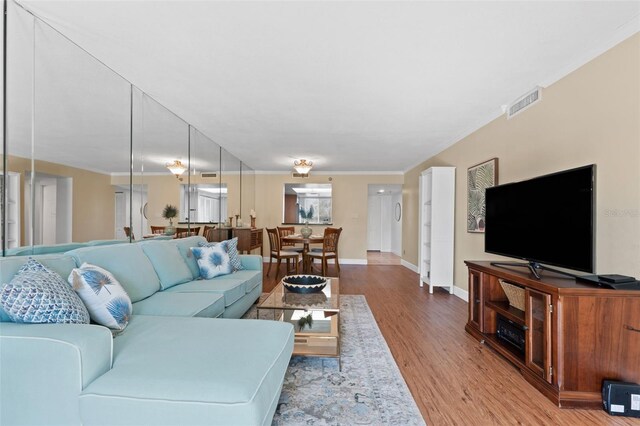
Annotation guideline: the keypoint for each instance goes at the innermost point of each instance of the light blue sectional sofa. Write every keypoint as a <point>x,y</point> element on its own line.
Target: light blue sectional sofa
<point>183,359</point>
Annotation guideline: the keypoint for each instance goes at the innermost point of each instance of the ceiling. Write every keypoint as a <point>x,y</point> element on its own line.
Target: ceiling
<point>353,86</point>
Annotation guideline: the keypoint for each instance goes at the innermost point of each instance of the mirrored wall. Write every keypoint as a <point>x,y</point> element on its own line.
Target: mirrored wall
<point>89,156</point>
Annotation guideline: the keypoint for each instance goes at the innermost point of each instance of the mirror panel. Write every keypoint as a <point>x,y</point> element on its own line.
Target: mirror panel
<point>95,160</point>
<point>307,203</point>
<point>248,192</point>
<point>230,167</point>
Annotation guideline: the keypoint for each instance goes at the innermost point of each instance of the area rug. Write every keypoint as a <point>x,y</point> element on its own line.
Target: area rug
<point>368,391</point>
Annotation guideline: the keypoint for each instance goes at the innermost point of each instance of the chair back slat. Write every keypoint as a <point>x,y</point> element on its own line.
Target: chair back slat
<point>155,230</point>
<point>331,237</point>
<point>284,231</point>
<point>274,240</point>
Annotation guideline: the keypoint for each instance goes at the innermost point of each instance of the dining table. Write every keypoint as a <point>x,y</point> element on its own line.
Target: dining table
<point>299,239</point>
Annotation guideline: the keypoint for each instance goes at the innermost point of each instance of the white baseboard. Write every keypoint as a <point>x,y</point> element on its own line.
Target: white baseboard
<point>462,294</point>
<point>409,266</point>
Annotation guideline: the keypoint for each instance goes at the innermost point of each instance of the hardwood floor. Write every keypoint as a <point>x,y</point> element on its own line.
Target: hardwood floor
<point>454,379</point>
<point>382,258</point>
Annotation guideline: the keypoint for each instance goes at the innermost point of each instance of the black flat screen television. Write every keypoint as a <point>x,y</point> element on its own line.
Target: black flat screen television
<point>548,219</point>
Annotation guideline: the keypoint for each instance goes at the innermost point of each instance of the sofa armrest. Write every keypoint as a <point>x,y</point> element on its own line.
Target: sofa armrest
<point>251,261</point>
<point>45,367</point>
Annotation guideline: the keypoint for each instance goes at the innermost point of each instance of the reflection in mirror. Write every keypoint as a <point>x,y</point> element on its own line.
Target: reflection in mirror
<point>307,203</point>
<point>247,193</point>
<point>230,167</point>
<point>204,174</point>
<point>159,138</point>
<point>60,172</point>
<point>208,202</point>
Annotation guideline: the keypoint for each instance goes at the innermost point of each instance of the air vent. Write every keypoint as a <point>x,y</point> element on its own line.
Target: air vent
<point>300,175</point>
<point>524,102</point>
<point>209,174</point>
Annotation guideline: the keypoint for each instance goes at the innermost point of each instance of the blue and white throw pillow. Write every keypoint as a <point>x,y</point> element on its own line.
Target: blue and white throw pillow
<point>39,295</point>
<point>107,301</point>
<point>212,261</point>
<point>232,249</point>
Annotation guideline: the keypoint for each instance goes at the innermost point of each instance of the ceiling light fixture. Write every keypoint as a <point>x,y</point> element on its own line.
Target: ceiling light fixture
<point>177,168</point>
<point>303,166</point>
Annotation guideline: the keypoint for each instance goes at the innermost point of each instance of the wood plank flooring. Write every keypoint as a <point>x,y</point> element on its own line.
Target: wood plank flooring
<point>453,378</point>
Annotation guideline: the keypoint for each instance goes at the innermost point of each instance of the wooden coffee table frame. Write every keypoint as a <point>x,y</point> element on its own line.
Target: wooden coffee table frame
<point>283,303</point>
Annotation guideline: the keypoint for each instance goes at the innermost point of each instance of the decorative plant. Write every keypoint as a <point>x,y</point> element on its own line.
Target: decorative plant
<point>306,215</point>
<point>169,212</point>
<point>304,321</point>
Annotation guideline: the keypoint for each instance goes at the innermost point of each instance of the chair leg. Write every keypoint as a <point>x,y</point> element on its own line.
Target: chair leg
<point>324,266</point>
<point>337,264</point>
<point>296,262</point>
<point>278,268</point>
<point>269,270</point>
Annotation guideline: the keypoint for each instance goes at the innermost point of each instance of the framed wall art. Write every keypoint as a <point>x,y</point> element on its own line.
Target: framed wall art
<point>479,177</point>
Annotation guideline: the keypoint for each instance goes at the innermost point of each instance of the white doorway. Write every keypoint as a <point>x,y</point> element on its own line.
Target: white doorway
<point>138,220</point>
<point>384,220</point>
<point>52,210</point>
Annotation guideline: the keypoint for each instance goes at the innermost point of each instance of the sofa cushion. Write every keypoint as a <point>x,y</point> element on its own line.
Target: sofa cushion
<point>168,263</point>
<point>9,266</point>
<point>232,250</point>
<point>222,372</point>
<point>232,289</point>
<point>251,278</point>
<point>39,295</point>
<point>207,305</point>
<point>184,245</point>
<point>128,264</point>
<point>107,302</point>
<point>213,260</point>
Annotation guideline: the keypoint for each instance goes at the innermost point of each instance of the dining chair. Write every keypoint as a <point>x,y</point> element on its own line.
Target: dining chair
<point>277,253</point>
<point>207,232</point>
<point>329,250</point>
<point>128,233</point>
<point>185,232</point>
<point>156,230</point>
<point>284,231</point>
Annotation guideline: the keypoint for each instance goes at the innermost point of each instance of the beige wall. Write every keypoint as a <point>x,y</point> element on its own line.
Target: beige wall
<point>590,116</point>
<point>350,204</point>
<point>93,200</point>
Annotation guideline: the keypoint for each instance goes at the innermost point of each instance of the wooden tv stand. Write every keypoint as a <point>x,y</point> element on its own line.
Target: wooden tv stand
<point>576,335</point>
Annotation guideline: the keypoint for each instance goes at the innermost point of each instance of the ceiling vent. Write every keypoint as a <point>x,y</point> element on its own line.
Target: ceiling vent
<point>209,174</point>
<point>300,175</point>
<point>524,102</point>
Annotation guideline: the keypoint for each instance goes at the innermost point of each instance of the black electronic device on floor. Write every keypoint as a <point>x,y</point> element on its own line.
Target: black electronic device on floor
<point>511,333</point>
<point>621,398</point>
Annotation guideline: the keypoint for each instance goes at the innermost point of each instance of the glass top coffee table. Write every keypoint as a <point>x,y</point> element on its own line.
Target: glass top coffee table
<point>322,338</point>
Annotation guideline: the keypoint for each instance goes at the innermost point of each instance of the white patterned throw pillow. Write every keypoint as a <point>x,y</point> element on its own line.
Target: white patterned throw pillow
<point>105,298</point>
<point>212,261</point>
<point>232,249</point>
<point>39,295</point>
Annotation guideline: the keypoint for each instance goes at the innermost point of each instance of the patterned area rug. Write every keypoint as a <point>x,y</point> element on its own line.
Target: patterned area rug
<point>368,391</point>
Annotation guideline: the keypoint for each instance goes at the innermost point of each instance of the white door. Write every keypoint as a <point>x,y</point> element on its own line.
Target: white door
<point>374,224</point>
<point>48,214</point>
<point>121,215</point>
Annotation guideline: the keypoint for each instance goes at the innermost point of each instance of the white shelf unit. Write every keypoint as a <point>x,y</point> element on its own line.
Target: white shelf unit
<point>12,224</point>
<point>435,242</point>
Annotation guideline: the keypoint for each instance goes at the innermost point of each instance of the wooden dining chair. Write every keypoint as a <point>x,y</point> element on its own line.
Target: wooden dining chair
<point>278,254</point>
<point>128,233</point>
<point>207,232</point>
<point>284,231</point>
<point>157,230</point>
<point>185,232</point>
<point>329,250</point>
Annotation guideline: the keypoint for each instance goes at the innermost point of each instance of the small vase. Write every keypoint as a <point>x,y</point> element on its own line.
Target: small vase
<point>306,231</point>
<point>170,230</point>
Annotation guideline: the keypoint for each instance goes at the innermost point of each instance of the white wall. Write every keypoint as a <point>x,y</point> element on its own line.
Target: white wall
<point>396,226</point>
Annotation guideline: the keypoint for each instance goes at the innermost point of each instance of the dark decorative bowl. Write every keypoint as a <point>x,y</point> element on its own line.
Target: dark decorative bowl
<point>304,283</point>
